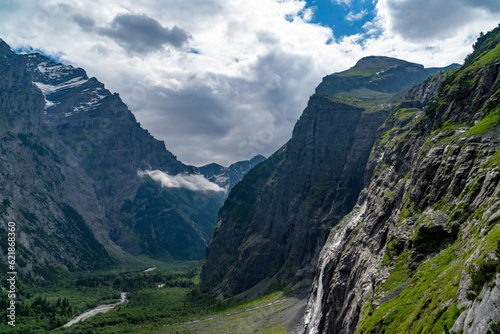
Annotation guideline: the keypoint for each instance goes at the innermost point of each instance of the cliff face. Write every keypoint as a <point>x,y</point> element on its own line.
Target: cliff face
<point>417,254</point>
<point>276,220</point>
<point>35,184</point>
<point>70,156</point>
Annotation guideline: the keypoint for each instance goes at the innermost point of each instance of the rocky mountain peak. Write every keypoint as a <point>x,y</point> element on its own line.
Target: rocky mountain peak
<point>21,99</point>
<point>228,177</point>
<point>77,164</point>
<point>376,75</point>
<point>380,62</point>
<point>276,220</point>
<point>67,90</point>
<point>4,47</point>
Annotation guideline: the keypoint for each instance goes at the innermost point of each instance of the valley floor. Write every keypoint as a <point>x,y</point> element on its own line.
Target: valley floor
<point>282,315</point>
<point>168,299</point>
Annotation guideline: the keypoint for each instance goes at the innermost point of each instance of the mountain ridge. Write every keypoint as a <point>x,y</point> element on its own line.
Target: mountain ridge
<point>306,187</point>
<point>378,74</point>
<point>228,177</point>
<point>71,153</point>
<point>417,254</point>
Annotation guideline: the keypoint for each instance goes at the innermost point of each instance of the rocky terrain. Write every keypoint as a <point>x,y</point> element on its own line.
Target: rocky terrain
<point>420,251</point>
<point>228,177</point>
<point>275,222</point>
<point>74,178</point>
<point>385,201</point>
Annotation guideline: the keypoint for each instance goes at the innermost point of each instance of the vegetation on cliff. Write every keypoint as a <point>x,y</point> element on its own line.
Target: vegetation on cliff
<point>424,255</point>
<point>277,219</point>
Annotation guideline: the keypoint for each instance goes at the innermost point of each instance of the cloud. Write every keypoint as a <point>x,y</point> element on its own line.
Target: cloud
<point>192,111</point>
<point>356,17</point>
<point>142,34</point>
<point>255,66</point>
<point>343,2</point>
<point>86,23</point>
<point>244,115</point>
<point>266,37</point>
<point>9,5</point>
<point>194,182</point>
<point>432,19</point>
<point>490,5</point>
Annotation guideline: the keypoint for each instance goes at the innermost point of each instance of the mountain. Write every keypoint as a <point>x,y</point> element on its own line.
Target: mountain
<point>420,251</point>
<point>377,74</point>
<point>84,182</point>
<point>275,222</point>
<point>35,182</point>
<point>228,177</point>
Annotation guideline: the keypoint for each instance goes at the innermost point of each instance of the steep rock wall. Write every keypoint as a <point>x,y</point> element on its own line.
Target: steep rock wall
<point>300,202</point>
<point>422,251</point>
<point>274,224</point>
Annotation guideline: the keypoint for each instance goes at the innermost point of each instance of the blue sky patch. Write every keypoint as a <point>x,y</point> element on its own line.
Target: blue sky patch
<point>344,19</point>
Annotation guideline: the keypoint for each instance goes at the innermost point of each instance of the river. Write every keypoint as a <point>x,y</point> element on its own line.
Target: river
<point>98,309</point>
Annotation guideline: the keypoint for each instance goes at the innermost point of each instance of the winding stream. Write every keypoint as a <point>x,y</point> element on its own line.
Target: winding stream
<point>98,309</point>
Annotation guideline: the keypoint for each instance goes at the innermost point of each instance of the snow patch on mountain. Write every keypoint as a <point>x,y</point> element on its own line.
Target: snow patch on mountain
<point>48,89</point>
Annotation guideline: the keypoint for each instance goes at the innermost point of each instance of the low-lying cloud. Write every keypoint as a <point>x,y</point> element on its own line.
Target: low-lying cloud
<point>194,182</point>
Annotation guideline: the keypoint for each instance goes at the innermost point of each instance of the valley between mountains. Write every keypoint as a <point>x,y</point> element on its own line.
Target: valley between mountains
<point>379,215</point>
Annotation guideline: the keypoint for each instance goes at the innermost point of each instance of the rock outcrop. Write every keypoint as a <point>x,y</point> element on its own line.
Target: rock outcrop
<point>417,254</point>
<point>276,220</point>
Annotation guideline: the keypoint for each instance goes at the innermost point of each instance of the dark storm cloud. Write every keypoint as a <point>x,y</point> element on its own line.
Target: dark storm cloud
<point>86,23</point>
<point>227,118</point>
<point>433,19</point>
<point>143,34</point>
<point>194,111</point>
<point>490,5</point>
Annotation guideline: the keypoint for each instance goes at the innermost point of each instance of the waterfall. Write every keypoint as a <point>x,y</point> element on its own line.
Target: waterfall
<point>316,313</point>
<point>314,310</point>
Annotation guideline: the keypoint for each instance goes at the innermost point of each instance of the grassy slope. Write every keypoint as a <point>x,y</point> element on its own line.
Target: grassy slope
<point>424,299</point>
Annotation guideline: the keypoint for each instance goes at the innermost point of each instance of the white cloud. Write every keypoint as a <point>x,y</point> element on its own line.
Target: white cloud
<point>428,20</point>
<point>342,2</point>
<point>237,85</point>
<point>194,182</point>
<point>356,16</point>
